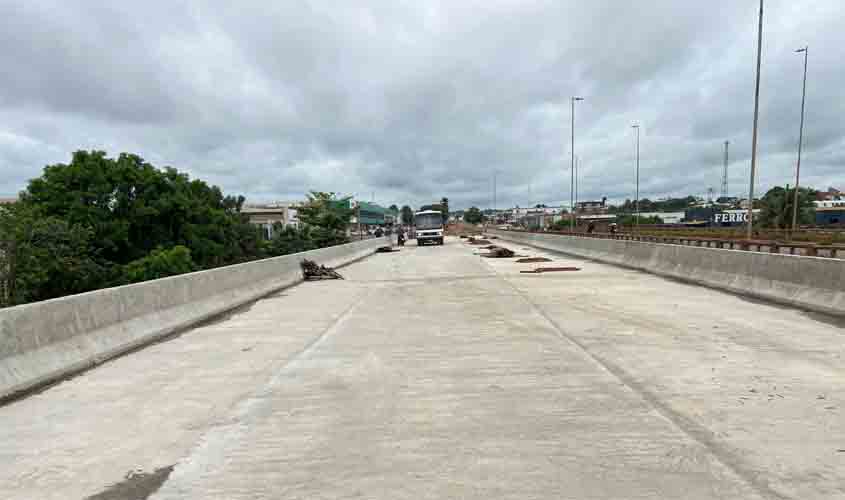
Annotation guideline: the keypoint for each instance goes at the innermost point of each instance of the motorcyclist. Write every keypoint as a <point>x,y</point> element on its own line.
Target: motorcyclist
<point>400,237</point>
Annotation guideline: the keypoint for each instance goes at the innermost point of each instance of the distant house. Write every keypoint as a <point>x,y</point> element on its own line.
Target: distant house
<point>266,216</point>
<point>592,207</point>
<point>831,194</point>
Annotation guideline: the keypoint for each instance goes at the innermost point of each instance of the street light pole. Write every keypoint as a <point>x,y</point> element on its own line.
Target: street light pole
<point>572,168</point>
<point>750,215</point>
<point>577,162</point>
<point>637,196</point>
<point>805,50</point>
<point>495,215</point>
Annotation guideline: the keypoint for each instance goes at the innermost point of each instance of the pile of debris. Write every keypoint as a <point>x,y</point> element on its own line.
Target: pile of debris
<point>498,252</point>
<point>527,260</point>
<point>540,270</point>
<point>477,241</point>
<point>313,272</point>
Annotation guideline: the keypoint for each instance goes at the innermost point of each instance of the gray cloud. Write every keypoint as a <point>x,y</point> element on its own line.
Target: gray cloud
<point>418,100</point>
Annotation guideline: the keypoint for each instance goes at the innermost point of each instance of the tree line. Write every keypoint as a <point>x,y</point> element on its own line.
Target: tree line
<point>99,222</point>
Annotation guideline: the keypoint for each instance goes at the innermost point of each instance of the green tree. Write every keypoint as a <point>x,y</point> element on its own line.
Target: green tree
<point>777,207</point>
<point>406,215</point>
<point>46,257</point>
<point>473,215</point>
<point>393,208</point>
<point>631,219</point>
<point>328,217</point>
<point>160,263</point>
<point>444,207</point>
<point>133,208</point>
<point>288,240</point>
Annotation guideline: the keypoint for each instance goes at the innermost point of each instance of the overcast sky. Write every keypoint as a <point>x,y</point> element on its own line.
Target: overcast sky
<point>414,100</point>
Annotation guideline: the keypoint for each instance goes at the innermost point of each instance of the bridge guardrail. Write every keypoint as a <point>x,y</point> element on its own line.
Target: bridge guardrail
<point>833,251</point>
<point>812,283</point>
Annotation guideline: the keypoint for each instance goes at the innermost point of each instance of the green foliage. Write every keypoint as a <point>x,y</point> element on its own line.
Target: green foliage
<point>777,207</point>
<point>561,225</point>
<point>46,257</point>
<point>288,240</point>
<point>328,218</point>
<point>646,205</point>
<point>444,207</point>
<point>631,219</point>
<point>160,263</point>
<point>436,207</point>
<point>393,208</point>
<point>473,215</point>
<point>133,208</point>
<point>406,215</point>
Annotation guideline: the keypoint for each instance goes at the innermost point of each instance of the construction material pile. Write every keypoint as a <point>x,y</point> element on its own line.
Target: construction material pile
<point>533,259</point>
<point>498,253</point>
<point>313,272</point>
<point>477,241</point>
<point>540,270</point>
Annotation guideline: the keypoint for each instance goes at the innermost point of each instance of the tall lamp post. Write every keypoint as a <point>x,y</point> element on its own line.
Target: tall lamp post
<point>572,168</point>
<point>805,50</point>
<point>637,195</point>
<point>750,215</point>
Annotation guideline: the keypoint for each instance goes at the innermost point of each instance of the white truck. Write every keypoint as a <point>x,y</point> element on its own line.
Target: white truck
<point>428,227</point>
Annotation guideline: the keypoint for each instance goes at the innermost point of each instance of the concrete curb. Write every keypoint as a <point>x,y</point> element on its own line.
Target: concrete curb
<point>47,341</point>
<point>811,283</point>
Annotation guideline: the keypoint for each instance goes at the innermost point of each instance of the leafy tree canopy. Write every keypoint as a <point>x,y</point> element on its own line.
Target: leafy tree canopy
<point>777,207</point>
<point>133,208</point>
<point>406,215</point>
<point>473,215</point>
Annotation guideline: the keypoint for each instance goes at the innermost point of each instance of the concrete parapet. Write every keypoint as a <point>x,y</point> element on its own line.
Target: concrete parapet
<point>45,341</point>
<point>812,283</point>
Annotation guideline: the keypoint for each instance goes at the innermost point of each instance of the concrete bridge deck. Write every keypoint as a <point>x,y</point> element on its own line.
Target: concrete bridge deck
<point>432,373</point>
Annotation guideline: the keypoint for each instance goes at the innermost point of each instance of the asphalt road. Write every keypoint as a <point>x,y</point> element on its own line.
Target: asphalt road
<point>432,373</point>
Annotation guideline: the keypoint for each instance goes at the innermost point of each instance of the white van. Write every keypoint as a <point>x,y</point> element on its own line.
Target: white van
<point>428,226</point>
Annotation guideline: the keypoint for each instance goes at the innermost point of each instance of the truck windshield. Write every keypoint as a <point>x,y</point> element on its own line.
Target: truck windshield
<point>428,221</point>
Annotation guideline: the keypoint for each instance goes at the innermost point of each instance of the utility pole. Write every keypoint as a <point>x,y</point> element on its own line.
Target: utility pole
<point>495,173</point>
<point>637,196</point>
<point>572,168</point>
<point>750,215</point>
<point>725,172</point>
<point>577,161</point>
<point>805,50</point>
<point>360,232</point>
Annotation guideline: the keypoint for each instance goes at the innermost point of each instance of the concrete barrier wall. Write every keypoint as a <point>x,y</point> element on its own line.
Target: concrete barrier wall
<point>48,340</point>
<point>813,283</point>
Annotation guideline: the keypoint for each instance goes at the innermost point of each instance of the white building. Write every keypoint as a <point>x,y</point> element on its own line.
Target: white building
<point>266,216</point>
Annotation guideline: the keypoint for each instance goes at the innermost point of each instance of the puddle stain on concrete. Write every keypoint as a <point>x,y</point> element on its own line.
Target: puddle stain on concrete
<point>135,486</point>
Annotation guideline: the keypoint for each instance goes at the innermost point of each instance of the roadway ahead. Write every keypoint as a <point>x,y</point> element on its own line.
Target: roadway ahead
<point>432,373</point>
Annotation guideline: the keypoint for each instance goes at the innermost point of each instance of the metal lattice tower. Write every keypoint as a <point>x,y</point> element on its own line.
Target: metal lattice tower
<point>725,172</point>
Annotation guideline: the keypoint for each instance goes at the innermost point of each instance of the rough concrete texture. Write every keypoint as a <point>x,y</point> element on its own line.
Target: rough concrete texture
<point>814,283</point>
<point>47,340</point>
<point>432,373</point>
